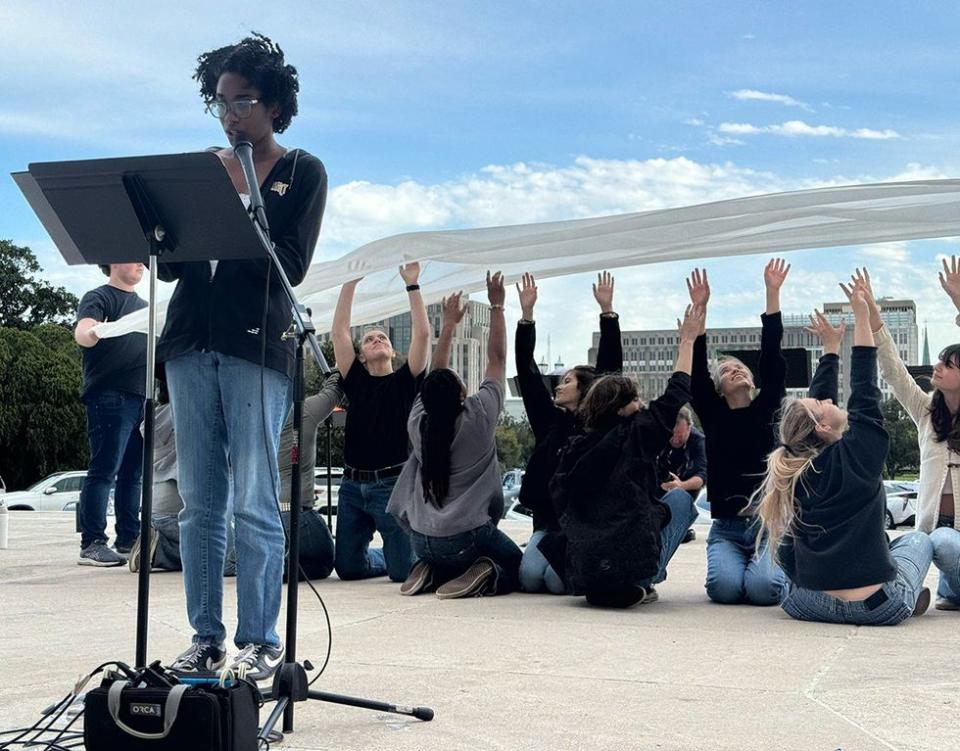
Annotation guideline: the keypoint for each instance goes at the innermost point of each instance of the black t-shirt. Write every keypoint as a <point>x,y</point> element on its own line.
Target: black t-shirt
<point>377,412</point>
<point>118,362</point>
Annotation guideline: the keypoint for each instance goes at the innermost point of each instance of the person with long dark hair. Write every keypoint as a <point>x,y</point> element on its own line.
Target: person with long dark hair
<point>449,493</point>
<point>553,419</point>
<point>618,536</point>
<point>937,417</point>
<point>738,427</point>
<point>229,369</point>
<point>822,504</point>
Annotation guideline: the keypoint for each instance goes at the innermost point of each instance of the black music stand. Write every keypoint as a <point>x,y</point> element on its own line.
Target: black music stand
<point>137,209</point>
<point>128,210</point>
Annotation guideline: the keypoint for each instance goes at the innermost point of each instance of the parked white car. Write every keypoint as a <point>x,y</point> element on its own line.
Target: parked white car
<point>320,488</point>
<point>901,502</point>
<point>57,492</point>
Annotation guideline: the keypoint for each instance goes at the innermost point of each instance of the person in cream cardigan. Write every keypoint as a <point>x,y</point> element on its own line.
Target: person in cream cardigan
<point>937,416</point>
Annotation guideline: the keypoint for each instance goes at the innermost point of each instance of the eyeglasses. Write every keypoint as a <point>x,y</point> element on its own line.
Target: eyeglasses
<point>240,107</point>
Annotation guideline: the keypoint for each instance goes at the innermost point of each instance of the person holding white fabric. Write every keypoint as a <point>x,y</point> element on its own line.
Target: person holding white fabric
<point>937,416</point>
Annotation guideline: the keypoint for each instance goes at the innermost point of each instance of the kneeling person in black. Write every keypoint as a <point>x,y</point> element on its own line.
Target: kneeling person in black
<point>619,537</point>
<point>376,445</point>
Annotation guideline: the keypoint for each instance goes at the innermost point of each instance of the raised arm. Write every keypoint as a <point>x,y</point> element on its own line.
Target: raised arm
<point>705,396</point>
<point>537,401</point>
<point>610,349</point>
<point>906,390</point>
<point>774,276</point>
<point>773,365</point>
<point>420,336</point>
<point>497,342</point>
<point>950,280</point>
<point>825,383</point>
<point>340,329</point>
<point>657,421</point>
<point>866,439</point>
<point>452,315</point>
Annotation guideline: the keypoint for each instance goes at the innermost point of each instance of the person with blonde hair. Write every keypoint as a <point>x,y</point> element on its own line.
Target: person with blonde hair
<point>937,417</point>
<point>822,504</point>
<point>738,427</point>
<point>617,536</point>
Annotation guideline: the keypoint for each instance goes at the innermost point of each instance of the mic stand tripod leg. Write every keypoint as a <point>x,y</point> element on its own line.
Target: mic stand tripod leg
<point>290,683</point>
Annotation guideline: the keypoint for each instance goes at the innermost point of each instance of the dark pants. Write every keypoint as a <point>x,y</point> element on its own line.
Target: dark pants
<point>116,456</point>
<point>451,556</point>
<point>316,546</point>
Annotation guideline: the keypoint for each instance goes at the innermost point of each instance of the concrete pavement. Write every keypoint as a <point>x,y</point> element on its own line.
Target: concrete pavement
<point>515,672</point>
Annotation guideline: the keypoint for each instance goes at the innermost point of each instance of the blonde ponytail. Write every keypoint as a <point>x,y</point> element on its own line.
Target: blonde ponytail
<point>800,446</point>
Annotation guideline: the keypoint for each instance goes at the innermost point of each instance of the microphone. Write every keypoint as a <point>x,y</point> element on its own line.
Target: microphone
<point>243,150</point>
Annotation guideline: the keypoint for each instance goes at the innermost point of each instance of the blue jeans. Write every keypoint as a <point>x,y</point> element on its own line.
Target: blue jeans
<point>361,510</point>
<point>946,557</point>
<point>892,604</point>
<point>735,574</point>
<point>536,574</point>
<point>451,556</point>
<point>682,515</point>
<point>228,434</point>
<point>116,455</point>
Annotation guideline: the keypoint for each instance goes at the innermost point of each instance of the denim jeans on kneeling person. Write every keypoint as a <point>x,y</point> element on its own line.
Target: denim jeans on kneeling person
<point>451,556</point>
<point>735,573</point>
<point>892,604</point>
<point>946,557</point>
<point>536,574</point>
<point>362,510</point>
<point>683,513</point>
<point>116,456</point>
<point>226,428</point>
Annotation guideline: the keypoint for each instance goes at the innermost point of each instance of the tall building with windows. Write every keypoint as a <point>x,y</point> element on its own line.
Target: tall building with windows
<point>649,355</point>
<point>468,351</point>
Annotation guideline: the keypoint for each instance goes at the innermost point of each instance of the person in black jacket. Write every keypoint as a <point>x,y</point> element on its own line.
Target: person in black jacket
<point>618,536</point>
<point>739,432</point>
<point>682,468</point>
<point>229,369</point>
<point>822,502</point>
<point>553,420</point>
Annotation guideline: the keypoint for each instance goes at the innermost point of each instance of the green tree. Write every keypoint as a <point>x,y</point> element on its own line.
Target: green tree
<point>904,450</point>
<point>508,447</point>
<point>25,300</point>
<point>42,422</point>
<point>523,434</point>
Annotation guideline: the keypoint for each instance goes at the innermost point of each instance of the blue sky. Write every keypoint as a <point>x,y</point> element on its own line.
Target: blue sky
<point>440,115</point>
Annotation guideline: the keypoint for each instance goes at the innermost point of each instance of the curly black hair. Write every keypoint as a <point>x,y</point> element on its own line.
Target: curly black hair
<point>260,60</point>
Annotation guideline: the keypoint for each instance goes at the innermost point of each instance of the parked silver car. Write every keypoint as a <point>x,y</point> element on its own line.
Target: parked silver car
<point>901,502</point>
<point>512,480</point>
<point>57,492</point>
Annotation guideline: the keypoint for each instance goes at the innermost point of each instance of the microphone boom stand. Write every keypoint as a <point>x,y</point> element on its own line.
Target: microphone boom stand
<point>290,682</point>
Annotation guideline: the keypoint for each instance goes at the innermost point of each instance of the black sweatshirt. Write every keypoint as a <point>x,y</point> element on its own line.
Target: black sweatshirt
<point>738,440</point>
<point>223,312</point>
<point>607,487</point>
<point>551,425</point>
<point>838,539</point>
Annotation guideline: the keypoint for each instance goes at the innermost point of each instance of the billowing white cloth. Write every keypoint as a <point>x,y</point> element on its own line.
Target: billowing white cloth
<point>456,259</point>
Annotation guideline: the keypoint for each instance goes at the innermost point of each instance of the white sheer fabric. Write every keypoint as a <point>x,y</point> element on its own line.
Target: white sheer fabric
<point>456,259</point>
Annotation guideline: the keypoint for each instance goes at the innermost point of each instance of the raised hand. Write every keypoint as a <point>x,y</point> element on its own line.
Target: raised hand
<point>950,279</point>
<point>528,295</point>
<point>495,292</point>
<point>775,273</point>
<point>603,292</point>
<point>830,336</point>
<point>410,272</point>
<point>691,325</point>
<point>452,312</point>
<point>699,287</point>
<point>861,278</point>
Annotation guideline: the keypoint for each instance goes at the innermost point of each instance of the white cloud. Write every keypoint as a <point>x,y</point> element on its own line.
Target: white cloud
<point>891,252</point>
<point>794,128</point>
<point>752,95</point>
<point>693,121</point>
